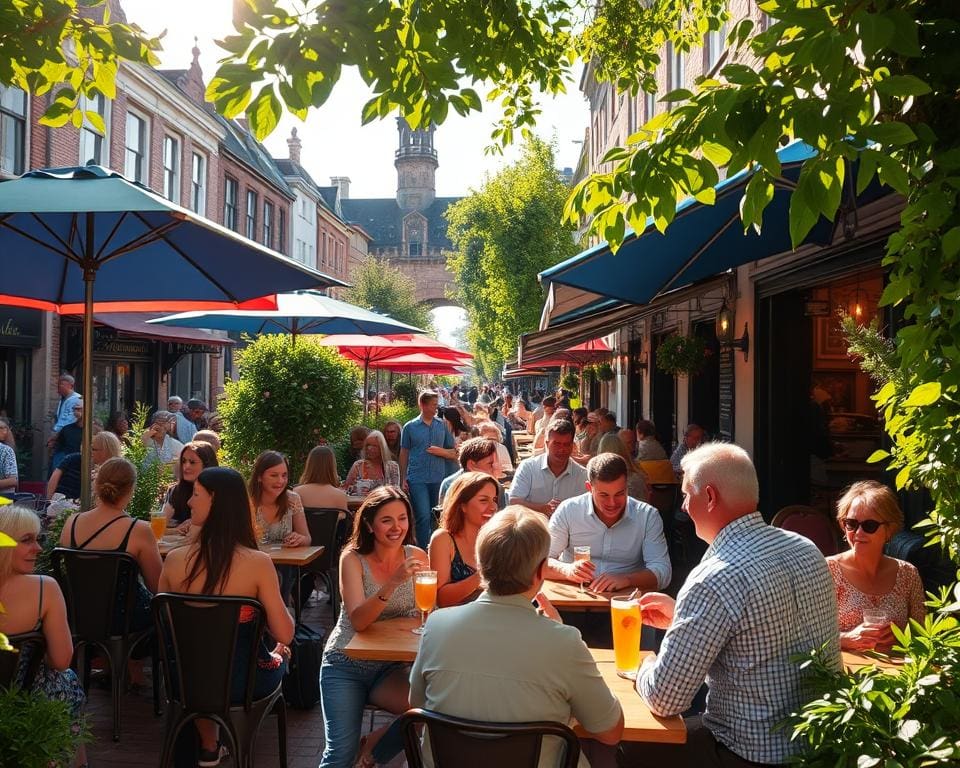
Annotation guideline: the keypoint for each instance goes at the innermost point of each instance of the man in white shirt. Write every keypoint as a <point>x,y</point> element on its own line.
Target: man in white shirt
<point>625,536</point>
<point>542,482</point>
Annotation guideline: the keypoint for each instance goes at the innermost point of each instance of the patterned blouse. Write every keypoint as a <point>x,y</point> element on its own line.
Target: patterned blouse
<point>276,532</point>
<point>903,602</point>
<point>8,462</point>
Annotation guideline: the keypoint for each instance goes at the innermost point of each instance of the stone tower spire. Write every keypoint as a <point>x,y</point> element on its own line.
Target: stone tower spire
<point>416,164</point>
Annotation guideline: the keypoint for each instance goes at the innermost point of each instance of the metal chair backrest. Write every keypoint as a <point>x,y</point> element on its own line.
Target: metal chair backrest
<point>810,523</point>
<point>199,638</point>
<point>12,669</point>
<point>473,744</point>
<point>91,582</point>
<point>322,524</point>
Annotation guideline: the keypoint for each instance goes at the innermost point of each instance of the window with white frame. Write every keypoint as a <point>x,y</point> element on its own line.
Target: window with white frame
<point>171,169</point>
<point>250,230</point>
<point>93,142</point>
<point>323,249</point>
<point>676,68</point>
<point>135,148</point>
<point>282,231</point>
<point>713,47</point>
<point>13,130</point>
<point>198,184</point>
<point>231,192</point>
<point>268,223</point>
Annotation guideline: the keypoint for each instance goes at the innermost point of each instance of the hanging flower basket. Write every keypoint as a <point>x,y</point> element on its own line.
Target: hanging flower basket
<point>604,372</point>
<point>681,355</point>
<point>570,381</point>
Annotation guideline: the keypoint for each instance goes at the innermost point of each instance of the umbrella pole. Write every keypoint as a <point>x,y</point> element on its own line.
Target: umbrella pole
<point>366,378</point>
<point>376,402</point>
<point>89,275</point>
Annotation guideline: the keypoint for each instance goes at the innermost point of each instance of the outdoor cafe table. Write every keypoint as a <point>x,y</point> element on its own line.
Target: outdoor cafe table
<point>392,640</point>
<point>567,596</point>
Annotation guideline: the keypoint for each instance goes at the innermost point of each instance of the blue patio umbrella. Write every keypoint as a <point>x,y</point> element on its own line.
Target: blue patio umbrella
<point>296,313</point>
<point>86,239</point>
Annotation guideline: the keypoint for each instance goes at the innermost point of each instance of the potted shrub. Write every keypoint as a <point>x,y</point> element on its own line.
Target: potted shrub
<point>570,381</point>
<point>153,476</point>
<point>681,355</point>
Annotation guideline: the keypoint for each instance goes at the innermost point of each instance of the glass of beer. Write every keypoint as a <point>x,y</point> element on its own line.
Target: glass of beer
<point>581,553</point>
<point>625,617</point>
<point>424,595</point>
<point>158,523</point>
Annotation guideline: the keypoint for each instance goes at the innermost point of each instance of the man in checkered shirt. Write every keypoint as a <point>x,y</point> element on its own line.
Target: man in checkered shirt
<point>759,596</point>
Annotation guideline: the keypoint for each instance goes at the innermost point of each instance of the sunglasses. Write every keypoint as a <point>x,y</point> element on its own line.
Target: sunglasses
<point>869,526</point>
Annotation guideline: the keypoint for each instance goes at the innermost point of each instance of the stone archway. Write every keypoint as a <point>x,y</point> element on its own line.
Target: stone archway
<point>432,278</point>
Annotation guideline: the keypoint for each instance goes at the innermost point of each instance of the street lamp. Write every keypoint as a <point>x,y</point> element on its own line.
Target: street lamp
<point>724,331</point>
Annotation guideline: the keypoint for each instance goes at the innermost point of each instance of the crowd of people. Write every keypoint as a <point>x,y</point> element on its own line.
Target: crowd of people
<point>447,492</point>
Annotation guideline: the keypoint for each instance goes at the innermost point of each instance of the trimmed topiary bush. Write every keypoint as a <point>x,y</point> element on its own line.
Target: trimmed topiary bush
<point>288,397</point>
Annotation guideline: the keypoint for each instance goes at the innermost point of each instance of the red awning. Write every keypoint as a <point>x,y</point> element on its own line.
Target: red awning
<point>135,324</point>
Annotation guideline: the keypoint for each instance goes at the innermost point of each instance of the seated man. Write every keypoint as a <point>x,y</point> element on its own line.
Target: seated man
<point>625,536</point>
<point>478,454</point>
<point>692,438</point>
<point>464,669</point>
<point>648,447</point>
<point>760,596</point>
<point>542,482</point>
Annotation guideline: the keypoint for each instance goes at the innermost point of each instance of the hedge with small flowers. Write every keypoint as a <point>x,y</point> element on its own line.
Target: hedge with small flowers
<point>289,397</point>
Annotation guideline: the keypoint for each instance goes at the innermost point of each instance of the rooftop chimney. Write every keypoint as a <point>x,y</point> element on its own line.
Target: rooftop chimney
<point>294,144</point>
<point>343,184</point>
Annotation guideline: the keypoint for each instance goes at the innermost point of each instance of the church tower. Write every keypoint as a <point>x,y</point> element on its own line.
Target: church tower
<point>416,164</point>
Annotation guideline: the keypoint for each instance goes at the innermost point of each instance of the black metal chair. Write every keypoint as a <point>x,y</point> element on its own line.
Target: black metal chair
<point>198,640</point>
<point>11,671</point>
<point>91,581</point>
<point>471,744</point>
<point>323,524</point>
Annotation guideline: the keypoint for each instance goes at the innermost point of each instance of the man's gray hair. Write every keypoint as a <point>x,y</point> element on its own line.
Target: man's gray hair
<point>67,378</point>
<point>725,466</point>
<point>175,399</point>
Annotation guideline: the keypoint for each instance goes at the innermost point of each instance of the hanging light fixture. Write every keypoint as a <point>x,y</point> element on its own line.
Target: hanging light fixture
<point>724,331</point>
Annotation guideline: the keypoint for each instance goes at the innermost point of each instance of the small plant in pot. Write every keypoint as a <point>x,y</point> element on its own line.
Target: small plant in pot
<point>681,355</point>
<point>570,381</point>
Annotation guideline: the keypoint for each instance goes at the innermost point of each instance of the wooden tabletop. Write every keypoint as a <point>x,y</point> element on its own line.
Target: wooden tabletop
<point>354,502</point>
<point>567,596</point>
<point>854,660</point>
<point>282,556</point>
<point>392,640</point>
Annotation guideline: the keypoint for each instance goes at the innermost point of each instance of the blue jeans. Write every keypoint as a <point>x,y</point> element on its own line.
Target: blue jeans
<point>345,688</point>
<point>423,497</point>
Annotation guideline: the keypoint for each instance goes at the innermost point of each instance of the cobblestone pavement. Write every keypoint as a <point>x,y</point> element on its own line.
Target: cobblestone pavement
<point>141,732</point>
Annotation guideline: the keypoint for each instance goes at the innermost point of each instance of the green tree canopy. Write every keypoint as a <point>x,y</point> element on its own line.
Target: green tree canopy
<point>504,234</point>
<point>69,47</point>
<point>381,288</point>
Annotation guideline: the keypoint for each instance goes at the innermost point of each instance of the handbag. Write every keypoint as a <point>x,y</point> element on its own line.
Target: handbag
<point>301,684</point>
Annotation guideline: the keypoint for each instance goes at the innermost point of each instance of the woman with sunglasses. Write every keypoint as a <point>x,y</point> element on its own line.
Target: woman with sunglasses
<point>873,590</point>
<point>33,603</point>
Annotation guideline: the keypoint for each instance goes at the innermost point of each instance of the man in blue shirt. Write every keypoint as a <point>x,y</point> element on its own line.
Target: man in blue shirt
<point>425,446</point>
<point>64,415</point>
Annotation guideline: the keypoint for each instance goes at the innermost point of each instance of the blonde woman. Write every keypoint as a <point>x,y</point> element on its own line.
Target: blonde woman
<point>66,478</point>
<point>319,484</point>
<point>374,468</point>
<point>34,603</point>
<point>468,505</point>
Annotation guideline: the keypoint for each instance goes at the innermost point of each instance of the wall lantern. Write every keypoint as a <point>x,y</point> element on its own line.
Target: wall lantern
<point>724,331</point>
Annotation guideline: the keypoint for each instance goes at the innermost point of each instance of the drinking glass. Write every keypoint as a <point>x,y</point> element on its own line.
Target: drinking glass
<point>876,616</point>
<point>158,523</point>
<point>581,553</point>
<point>625,617</point>
<point>424,595</point>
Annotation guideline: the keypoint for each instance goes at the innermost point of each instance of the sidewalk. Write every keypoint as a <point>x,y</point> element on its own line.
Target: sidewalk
<point>141,732</point>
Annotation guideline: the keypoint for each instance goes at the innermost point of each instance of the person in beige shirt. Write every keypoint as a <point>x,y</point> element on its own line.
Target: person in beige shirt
<point>462,668</point>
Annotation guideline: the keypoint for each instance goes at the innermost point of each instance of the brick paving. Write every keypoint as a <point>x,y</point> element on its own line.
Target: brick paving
<point>141,732</point>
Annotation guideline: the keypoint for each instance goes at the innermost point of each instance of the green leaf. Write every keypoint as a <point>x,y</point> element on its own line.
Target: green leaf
<point>877,456</point>
<point>923,395</point>
<point>264,112</point>
<point>890,134</point>
<point>950,243</point>
<point>903,86</point>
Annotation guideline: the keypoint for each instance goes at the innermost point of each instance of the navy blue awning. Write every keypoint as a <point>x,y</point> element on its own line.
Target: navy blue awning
<point>703,240</point>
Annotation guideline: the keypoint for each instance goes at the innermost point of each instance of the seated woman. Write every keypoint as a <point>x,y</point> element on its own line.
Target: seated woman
<point>320,484</point>
<point>376,468</point>
<point>470,502</point>
<point>868,581</point>
<point>376,571</point>
<point>65,479</point>
<point>491,431</point>
<point>636,480</point>
<point>118,424</point>
<point>35,604</point>
<point>194,458</point>
<point>9,475</point>
<point>278,512</point>
<point>108,528</point>
<point>224,560</point>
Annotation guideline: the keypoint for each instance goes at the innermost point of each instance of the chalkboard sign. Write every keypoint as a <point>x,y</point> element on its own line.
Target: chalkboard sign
<point>726,394</point>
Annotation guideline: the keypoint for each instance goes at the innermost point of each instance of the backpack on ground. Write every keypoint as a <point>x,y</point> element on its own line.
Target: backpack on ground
<point>301,684</point>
